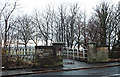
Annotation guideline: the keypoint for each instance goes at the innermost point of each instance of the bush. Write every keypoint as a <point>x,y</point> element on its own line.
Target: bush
<point>114,54</point>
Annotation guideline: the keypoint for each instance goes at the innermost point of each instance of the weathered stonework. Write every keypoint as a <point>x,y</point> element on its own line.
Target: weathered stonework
<point>92,53</point>
<point>58,48</point>
<point>49,56</point>
<point>102,54</point>
<point>97,53</point>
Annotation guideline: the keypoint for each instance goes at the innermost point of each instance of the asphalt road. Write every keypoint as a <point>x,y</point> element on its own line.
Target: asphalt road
<point>97,72</point>
<point>107,71</point>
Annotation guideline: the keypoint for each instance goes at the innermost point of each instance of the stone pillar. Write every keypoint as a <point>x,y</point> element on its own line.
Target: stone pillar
<point>92,52</point>
<point>57,48</point>
<point>102,54</point>
<point>97,53</point>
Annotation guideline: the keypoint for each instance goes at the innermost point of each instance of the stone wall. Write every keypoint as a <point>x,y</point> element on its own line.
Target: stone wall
<point>97,53</point>
<point>102,54</point>
<point>57,48</point>
<point>91,53</point>
<point>49,56</point>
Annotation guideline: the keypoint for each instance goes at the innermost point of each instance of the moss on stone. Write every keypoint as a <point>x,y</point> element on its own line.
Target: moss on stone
<point>49,62</point>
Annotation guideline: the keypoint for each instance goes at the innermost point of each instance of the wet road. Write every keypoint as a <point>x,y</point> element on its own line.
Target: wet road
<point>108,71</point>
<point>77,64</point>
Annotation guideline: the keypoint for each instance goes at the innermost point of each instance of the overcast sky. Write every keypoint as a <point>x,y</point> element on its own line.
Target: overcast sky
<point>29,5</point>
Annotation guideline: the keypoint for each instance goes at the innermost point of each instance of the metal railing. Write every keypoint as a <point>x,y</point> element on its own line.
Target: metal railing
<point>75,53</point>
<point>20,58</point>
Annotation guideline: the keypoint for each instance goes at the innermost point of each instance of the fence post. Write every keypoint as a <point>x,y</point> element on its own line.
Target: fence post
<point>23,53</point>
<point>17,50</point>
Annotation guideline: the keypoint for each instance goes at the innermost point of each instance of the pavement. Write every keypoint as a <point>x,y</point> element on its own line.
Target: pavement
<point>68,65</point>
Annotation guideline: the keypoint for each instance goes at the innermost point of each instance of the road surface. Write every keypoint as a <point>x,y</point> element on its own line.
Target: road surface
<point>98,72</point>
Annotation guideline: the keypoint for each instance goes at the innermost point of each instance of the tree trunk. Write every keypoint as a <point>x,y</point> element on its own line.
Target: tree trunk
<point>46,42</point>
<point>5,40</point>
<point>68,42</point>
<point>5,46</point>
<point>78,45</point>
<point>109,43</point>
<point>119,39</point>
<point>25,48</point>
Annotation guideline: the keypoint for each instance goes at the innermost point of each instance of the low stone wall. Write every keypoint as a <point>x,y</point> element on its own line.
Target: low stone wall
<point>97,53</point>
<point>49,56</point>
<point>102,54</point>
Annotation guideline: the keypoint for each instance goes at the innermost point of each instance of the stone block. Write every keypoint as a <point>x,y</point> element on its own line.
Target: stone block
<point>102,54</point>
<point>49,56</point>
<point>97,53</point>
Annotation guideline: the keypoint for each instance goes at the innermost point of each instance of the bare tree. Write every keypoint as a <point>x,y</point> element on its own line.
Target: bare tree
<point>1,12</point>
<point>65,24</point>
<point>118,21</point>
<point>78,30</point>
<point>7,15</point>
<point>73,10</point>
<point>25,28</point>
<point>84,30</point>
<point>93,32</point>
<point>112,27</point>
<point>7,11</point>
<point>40,26</point>
<point>102,14</point>
<point>62,22</point>
<point>103,28</point>
<point>45,24</point>
<point>10,35</point>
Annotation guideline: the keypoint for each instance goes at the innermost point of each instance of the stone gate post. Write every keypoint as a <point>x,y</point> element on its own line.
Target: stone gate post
<point>92,52</point>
